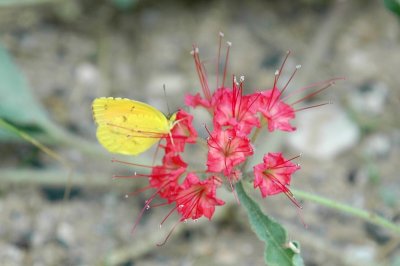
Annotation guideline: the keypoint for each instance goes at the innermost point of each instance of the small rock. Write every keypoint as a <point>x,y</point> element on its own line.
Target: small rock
<point>87,74</point>
<point>226,256</point>
<point>377,146</point>
<point>324,133</point>
<point>360,65</point>
<point>370,98</point>
<point>45,221</point>
<point>65,234</point>
<point>51,253</point>
<point>362,255</point>
<point>11,255</point>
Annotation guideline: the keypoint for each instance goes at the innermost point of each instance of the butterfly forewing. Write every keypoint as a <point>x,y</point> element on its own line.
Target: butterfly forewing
<point>126,126</point>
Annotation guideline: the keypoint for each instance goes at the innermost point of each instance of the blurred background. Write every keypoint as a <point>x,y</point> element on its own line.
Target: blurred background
<point>57,56</point>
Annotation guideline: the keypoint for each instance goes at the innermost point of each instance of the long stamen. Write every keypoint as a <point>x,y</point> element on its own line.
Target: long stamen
<point>161,204</point>
<point>169,234</point>
<point>193,204</point>
<point>282,65</point>
<point>237,99</point>
<point>285,190</point>
<point>226,152</point>
<point>129,163</point>
<point>142,165</point>
<point>250,105</point>
<point>221,35</point>
<point>201,73</point>
<point>289,80</point>
<point>234,89</point>
<point>276,79</point>
<point>137,192</point>
<point>146,207</point>
<point>214,147</point>
<point>188,198</point>
<point>168,215</point>
<point>240,95</point>
<point>288,160</point>
<point>310,95</point>
<point>313,85</point>
<point>313,106</point>
<point>187,194</point>
<point>219,147</point>
<point>275,88</point>
<point>135,175</point>
<point>226,63</point>
<point>233,190</point>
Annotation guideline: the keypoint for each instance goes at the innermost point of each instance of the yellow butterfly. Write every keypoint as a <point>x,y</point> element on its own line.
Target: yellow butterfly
<point>129,127</point>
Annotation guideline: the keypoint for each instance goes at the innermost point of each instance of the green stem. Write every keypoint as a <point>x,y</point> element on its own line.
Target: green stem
<point>13,3</point>
<point>363,214</point>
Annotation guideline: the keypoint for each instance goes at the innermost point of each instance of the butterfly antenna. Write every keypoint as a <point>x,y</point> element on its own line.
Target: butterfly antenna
<point>166,100</point>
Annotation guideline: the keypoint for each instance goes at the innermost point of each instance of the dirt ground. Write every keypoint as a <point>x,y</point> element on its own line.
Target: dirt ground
<point>71,52</point>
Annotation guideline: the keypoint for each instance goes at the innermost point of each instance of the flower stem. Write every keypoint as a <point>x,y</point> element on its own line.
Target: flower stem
<point>363,214</point>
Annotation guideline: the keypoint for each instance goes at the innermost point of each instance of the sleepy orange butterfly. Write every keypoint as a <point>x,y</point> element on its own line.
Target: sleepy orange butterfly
<point>129,127</point>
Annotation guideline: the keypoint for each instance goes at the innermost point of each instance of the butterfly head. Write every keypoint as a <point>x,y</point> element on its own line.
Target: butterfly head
<point>172,120</point>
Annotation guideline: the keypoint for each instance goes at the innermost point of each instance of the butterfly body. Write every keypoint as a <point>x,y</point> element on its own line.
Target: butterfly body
<point>129,127</point>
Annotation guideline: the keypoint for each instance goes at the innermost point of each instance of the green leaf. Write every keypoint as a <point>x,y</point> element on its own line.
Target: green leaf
<point>20,109</point>
<point>18,106</point>
<point>393,5</point>
<point>124,4</point>
<point>12,3</point>
<point>278,250</point>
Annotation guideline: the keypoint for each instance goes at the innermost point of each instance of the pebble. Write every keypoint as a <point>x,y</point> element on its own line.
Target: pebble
<point>10,255</point>
<point>377,146</point>
<point>65,234</point>
<point>370,98</point>
<point>361,255</point>
<point>87,74</point>
<point>324,133</point>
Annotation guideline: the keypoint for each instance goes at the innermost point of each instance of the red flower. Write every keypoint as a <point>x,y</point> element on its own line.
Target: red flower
<point>196,100</point>
<point>237,121</point>
<point>209,100</point>
<point>183,132</point>
<point>277,113</point>
<point>226,150</point>
<point>236,110</point>
<point>273,107</point>
<point>198,198</point>
<point>165,178</point>
<point>274,174</point>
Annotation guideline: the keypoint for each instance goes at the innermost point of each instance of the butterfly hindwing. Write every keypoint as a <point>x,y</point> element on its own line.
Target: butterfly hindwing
<point>126,126</point>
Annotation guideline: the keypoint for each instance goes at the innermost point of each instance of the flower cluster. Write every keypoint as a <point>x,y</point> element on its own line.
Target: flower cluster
<point>236,122</point>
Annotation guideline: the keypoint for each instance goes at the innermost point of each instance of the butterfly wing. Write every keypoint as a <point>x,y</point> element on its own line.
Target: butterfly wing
<point>126,126</point>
